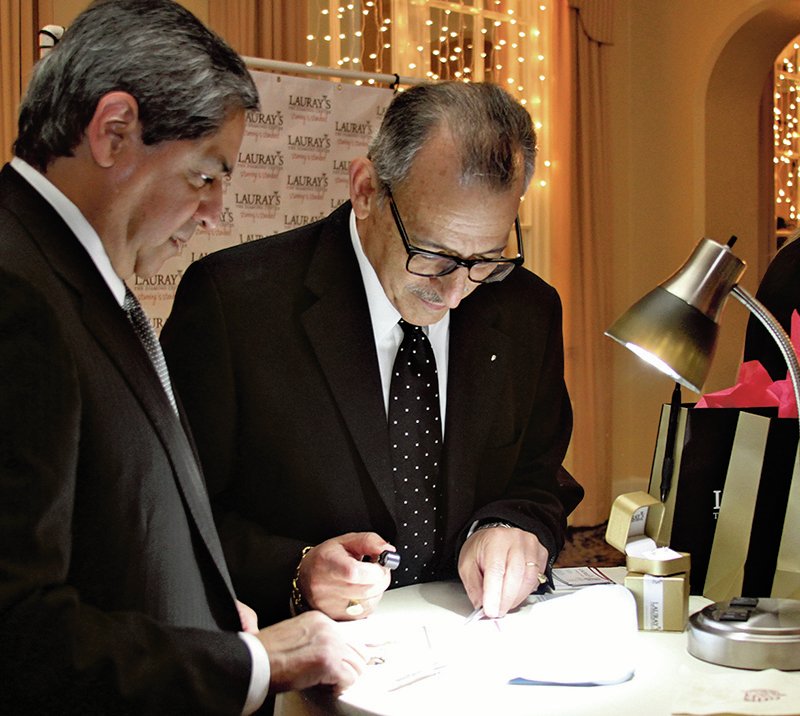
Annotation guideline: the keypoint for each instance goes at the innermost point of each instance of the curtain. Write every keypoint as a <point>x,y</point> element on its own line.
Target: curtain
<point>18,28</point>
<point>272,29</point>
<point>581,246</point>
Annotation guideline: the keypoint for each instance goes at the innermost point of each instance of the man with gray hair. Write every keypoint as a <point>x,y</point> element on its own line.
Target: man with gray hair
<point>388,377</point>
<point>114,592</point>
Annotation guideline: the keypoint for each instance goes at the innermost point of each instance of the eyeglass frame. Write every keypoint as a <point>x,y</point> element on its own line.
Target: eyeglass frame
<point>412,251</point>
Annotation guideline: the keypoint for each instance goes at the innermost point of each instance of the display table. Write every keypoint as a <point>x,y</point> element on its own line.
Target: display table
<point>661,662</point>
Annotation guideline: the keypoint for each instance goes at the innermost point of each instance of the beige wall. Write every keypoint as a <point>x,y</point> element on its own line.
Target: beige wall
<point>685,85</point>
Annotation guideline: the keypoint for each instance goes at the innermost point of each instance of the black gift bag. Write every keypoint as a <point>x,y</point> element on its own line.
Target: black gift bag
<point>734,502</point>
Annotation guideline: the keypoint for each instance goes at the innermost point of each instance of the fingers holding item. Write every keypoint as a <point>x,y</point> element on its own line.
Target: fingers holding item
<point>472,580</point>
<point>509,564</point>
<point>361,544</point>
<point>308,650</point>
<point>333,574</point>
<point>470,573</point>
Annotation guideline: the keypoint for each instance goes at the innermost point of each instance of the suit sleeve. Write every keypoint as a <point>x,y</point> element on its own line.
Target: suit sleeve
<point>261,564</point>
<point>60,654</point>
<point>779,291</point>
<point>534,491</point>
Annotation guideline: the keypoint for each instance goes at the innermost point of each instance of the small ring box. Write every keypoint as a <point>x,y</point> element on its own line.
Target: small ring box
<point>635,517</point>
<point>657,575</point>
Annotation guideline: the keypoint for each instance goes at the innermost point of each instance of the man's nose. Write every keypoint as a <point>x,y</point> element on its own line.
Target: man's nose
<point>454,286</point>
<point>210,208</point>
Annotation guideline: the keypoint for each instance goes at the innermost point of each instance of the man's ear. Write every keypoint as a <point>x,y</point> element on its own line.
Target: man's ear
<point>114,124</point>
<point>363,182</point>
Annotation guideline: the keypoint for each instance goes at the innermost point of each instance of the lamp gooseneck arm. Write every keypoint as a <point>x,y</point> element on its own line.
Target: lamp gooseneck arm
<point>778,334</point>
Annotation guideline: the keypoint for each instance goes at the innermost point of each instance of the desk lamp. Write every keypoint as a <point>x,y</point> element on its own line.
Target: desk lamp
<point>674,328</point>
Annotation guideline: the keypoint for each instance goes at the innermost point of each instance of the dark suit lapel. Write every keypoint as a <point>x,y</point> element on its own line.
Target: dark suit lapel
<point>112,331</point>
<point>339,328</point>
<point>479,356</point>
<point>106,321</point>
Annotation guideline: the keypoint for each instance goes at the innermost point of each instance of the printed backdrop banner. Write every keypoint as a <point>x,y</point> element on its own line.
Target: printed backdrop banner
<point>292,169</point>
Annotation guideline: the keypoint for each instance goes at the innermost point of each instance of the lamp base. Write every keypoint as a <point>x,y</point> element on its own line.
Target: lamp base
<point>748,633</point>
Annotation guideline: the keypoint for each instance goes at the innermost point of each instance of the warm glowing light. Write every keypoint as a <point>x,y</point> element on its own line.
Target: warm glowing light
<point>446,42</point>
<point>785,138</point>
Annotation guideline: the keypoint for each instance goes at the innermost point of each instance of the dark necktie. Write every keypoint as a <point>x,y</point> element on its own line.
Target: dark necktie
<point>415,434</point>
<point>141,325</point>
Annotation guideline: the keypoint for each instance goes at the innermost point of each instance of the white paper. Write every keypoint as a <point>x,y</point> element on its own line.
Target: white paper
<point>589,636</point>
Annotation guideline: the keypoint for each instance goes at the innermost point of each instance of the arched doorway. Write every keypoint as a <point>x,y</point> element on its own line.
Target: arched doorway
<point>736,131</point>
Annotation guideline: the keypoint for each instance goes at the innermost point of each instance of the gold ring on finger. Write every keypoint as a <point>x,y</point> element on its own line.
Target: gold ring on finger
<point>354,608</point>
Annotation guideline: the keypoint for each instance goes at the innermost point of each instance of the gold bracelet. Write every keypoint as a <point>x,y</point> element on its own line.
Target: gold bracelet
<point>298,603</point>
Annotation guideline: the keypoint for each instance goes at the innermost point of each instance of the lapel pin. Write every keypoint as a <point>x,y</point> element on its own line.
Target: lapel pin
<point>493,358</point>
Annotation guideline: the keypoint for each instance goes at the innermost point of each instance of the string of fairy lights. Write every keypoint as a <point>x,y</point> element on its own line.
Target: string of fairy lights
<point>481,40</point>
<point>786,138</point>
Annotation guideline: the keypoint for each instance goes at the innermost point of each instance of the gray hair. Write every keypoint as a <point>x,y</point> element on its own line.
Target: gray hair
<point>491,130</point>
<point>185,79</point>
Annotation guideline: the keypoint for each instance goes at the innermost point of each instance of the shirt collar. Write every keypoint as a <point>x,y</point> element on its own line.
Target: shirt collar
<point>381,310</point>
<point>76,221</point>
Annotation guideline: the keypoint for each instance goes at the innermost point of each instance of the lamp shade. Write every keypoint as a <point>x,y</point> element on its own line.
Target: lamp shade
<point>675,326</point>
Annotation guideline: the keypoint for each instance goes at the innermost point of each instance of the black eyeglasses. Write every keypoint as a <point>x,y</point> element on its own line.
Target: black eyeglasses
<point>433,263</point>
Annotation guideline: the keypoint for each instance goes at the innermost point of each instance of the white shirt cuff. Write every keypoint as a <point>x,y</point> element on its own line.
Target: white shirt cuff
<point>259,674</point>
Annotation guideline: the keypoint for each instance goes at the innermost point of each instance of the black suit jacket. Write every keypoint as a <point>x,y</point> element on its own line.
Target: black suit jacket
<point>779,291</point>
<point>114,593</point>
<point>271,346</point>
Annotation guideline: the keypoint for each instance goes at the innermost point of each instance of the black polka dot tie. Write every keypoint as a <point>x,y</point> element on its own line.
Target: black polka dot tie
<point>415,435</point>
<point>141,325</point>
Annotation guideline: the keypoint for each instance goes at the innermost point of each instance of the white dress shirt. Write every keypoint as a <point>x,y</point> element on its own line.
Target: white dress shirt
<point>83,230</point>
<point>388,335</point>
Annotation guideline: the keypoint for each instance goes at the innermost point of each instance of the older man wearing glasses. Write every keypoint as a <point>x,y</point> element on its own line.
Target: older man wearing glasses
<point>388,378</point>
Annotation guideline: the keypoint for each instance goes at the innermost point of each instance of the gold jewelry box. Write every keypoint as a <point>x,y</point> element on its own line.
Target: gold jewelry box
<point>657,576</point>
